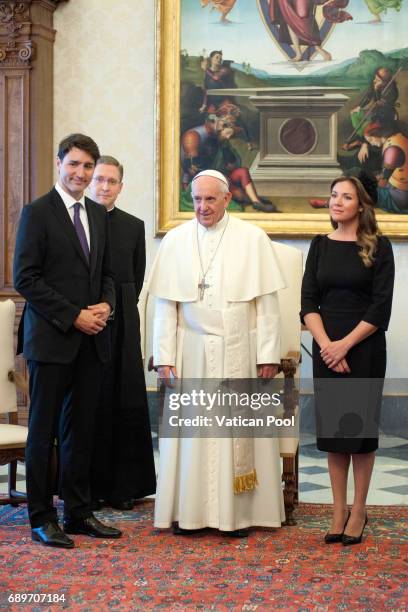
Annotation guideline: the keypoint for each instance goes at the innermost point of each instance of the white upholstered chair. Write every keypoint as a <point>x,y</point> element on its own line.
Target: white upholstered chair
<point>13,437</point>
<point>290,261</point>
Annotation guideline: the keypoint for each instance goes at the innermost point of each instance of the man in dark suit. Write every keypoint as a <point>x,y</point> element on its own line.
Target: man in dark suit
<point>123,463</point>
<point>62,268</point>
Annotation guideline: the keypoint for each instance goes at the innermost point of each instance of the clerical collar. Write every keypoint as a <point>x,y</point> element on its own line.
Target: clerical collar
<point>219,226</point>
<point>111,209</point>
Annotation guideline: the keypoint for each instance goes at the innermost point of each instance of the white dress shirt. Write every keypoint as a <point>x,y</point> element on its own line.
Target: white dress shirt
<point>69,202</point>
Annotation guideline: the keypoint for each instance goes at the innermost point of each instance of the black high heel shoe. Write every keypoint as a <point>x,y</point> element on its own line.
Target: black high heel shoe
<point>348,540</point>
<point>333,538</point>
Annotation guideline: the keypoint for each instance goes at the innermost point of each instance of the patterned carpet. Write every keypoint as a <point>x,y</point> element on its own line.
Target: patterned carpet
<point>287,569</point>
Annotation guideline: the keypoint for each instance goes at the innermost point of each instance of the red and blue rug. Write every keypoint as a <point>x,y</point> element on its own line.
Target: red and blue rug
<point>287,569</point>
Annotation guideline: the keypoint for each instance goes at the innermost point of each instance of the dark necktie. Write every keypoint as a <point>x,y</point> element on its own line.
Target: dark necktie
<point>79,228</point>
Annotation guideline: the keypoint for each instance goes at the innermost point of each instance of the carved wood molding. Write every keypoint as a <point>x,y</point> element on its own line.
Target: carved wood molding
<point>16,47</point>
<point>17,28</point>
<point>12,454</point>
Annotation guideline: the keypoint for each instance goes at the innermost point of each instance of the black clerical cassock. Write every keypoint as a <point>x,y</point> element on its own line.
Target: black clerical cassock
<point>123,465</point>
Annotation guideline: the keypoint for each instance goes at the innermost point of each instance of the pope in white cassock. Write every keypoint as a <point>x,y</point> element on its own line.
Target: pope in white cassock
<point>215,282</point>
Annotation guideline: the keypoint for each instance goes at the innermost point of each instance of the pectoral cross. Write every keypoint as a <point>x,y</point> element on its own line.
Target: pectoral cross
<point>202,287</point>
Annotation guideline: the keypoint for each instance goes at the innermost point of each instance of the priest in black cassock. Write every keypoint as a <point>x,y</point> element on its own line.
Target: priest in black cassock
<point>123,463</point>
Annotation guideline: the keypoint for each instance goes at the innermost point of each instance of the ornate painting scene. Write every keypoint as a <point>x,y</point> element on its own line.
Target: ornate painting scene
<point>284,95</point>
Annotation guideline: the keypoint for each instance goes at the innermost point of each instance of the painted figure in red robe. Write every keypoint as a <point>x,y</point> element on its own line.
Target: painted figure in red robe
<point>296,21</point>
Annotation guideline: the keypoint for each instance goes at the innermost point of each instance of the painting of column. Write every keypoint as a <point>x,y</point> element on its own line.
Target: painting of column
<point>283,96</point>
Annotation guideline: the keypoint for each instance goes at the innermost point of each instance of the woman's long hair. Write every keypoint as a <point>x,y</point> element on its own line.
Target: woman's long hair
<point>367,231</point>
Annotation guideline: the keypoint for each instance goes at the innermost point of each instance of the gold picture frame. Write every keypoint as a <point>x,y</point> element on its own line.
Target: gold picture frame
<point>167,179</point>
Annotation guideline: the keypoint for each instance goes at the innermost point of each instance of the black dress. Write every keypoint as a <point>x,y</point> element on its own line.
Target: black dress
<point>338,286</point>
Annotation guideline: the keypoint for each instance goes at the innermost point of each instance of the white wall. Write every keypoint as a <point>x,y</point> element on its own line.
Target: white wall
<point>104,87</point>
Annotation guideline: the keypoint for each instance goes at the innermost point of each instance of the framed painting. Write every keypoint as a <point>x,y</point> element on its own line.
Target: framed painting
<point>282,96</point>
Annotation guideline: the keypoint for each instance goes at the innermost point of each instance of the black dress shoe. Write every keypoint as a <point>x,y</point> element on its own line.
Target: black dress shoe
<point>126,504</point>
<point>51,534</point>
<point>333,538</point>
<point>236,533</point>
<point>92,527</point>
<point>349,540</point>
<point>180,531</point>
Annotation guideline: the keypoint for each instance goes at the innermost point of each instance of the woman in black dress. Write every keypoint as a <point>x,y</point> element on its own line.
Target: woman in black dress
<point>346,305</point>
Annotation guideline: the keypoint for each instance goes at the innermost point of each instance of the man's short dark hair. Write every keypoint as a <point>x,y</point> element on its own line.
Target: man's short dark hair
<point>111,161</point>
<point>78,141</point>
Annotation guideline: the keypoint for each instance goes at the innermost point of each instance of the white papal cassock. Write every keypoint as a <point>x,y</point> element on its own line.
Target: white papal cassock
<point>234,327</point>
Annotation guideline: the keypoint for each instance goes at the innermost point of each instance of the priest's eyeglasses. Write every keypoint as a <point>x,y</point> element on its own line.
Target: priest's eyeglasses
<point>101,180</point>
